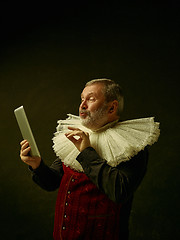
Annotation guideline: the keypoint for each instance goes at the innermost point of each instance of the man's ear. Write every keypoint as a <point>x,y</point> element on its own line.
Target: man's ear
<point>113,107</point>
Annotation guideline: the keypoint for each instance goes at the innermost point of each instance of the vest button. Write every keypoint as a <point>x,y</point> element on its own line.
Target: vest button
<point>69,192</point>
<point>63,228</point>
<point>65,216</point>
<point>72,180</point>
<point>66,203</point>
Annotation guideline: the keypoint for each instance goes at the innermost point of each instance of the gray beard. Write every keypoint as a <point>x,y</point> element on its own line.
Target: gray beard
<point>96,119</point>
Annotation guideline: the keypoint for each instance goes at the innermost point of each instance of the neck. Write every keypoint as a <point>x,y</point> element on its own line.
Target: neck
<point>105,126</point>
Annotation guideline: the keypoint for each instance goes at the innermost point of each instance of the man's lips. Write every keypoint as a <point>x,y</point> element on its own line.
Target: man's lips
<point>83,113</point>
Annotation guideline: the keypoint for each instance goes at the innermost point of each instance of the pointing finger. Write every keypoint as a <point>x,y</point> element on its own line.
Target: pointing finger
<point>72,128</point>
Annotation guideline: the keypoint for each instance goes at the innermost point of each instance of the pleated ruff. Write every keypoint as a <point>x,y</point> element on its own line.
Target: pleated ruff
<point>116,142</point>
<point>83,212</point>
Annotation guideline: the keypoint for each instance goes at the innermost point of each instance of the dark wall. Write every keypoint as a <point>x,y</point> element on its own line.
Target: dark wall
<point>47,54</point>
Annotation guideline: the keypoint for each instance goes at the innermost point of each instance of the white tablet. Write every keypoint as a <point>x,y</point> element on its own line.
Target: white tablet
<point>26,130</point>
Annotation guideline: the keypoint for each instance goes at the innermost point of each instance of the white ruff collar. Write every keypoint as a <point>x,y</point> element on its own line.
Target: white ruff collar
<point>116,142</point>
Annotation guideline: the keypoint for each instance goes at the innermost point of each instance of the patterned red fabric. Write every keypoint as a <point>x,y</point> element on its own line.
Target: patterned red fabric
<point>83,212</point>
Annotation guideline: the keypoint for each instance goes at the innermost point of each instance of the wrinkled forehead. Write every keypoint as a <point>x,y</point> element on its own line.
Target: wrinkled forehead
<point>96,89</point>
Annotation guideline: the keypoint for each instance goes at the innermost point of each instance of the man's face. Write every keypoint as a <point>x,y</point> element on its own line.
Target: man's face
<point>93,110</point>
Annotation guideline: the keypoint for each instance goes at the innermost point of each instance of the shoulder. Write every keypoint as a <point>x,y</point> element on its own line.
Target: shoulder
<point>138,162</point>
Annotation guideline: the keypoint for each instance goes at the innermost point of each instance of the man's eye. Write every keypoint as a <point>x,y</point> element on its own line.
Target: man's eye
<point>91,99</point>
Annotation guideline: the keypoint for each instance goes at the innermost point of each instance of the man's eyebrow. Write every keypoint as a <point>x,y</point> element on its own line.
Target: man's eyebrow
<point>89,94</point>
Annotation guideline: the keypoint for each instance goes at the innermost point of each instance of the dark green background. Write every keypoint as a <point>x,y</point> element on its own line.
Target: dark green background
<point>47,54</point>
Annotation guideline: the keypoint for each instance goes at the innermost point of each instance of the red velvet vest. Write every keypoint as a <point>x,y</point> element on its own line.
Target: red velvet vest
<point>83,211</point>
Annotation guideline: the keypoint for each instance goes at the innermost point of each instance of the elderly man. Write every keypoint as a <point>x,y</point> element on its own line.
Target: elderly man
<point>101,162</point>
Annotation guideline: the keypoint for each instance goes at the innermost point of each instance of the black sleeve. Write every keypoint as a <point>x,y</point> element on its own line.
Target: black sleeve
<point>48,178</point>
<point>120,182</point>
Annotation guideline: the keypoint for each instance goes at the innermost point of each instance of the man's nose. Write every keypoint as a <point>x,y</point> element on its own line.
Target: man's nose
<point>83,105</point>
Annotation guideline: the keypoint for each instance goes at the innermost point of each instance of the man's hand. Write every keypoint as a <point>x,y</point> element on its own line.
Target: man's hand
<point>79,138</point>
<point>34,162</point>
